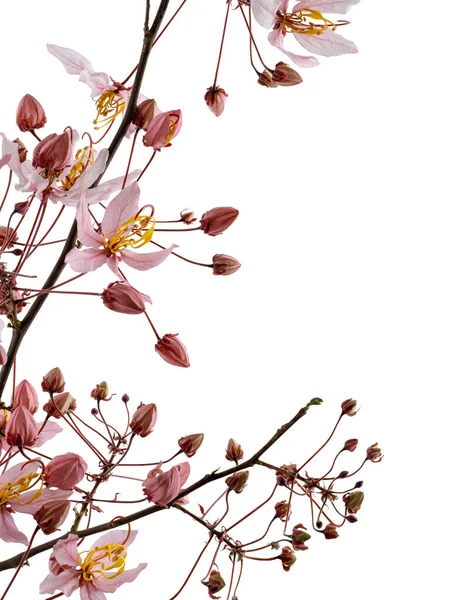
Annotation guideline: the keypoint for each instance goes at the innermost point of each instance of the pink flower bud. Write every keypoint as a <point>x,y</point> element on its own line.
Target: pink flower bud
<point>60,405</point>
<point>52,514</point>
<point>25,395</point>
<point>145,112</point>
<point>237,482</point>
<point>234,452</point>
<point>373,453</point>
<point>144,419</point>
<point>330,531</point>
<point>53,382</point>
<point>284,75</point>
<point>217,220</point>
<point>162,129</point>
<point>215,99</point>
<point>65,471</point>
<point>53,152</point>
<point>30,114</point>
<point>101,391</point>
<point>299,537</point>
<point>163,489</point>
<point>172,350</point>
<point>286,475</point>
<point>222,264</point>
<point>7,236</point>
<point>351,445</point>
<point>21,429</point>
<point>282,510</point>
<point>214,584</point>
<point>189,444</point>
<point>287,557</point>
<point>353,501</point>
<point>22,151</point>
<point>121,297</point>
<point>349,407</point>
<point>22,207</point>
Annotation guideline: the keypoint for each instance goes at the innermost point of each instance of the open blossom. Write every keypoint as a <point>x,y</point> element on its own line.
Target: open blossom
<point>306,23</point>
<point>122,227</point>
<point>164,488</point>
<point>94,572</point>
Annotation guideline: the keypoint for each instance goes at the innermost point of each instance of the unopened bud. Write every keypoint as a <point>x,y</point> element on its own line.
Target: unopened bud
<point>121,297</point>
<point>330,531</point>
<point>373,453</point>
<point>359,484</point>
<point>53,152</point>
<point>21,429</point>
<point>172,350</point>
<point>353,501</point>
<point>349,407</point>
<point>60,404</point>
<point>222,264</point>
<point>237,482</point>
<point>125,398</point>
<point>25,395</point>
<point>162,129</point>
<point>265,79</point>
<point>144,419</point>
<point>101,391</point>
<point>299,537</point>
<point>282,510</point>
<point>342,475</point>
<point>65,471</point>
<point>215,98</point>
<point>145,112</point>
<point>189,444</point>
<point>351,518</point>
<point>217,220</point>
<point>21,207</point>
<point>287,557</point>
<point>351,445</point>
<point>30,114</point>
<point>284,75</point>
<point>22,151</point>
<point>53,382</point>
<point>234,452</point>
<point>214,584</point>
<point>286,475</point>
<point>52,515</point>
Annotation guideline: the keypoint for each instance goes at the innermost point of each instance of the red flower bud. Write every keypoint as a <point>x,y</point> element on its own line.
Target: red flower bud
<point>146,111</point>
<point>299,537</point>
<point>286,475</point>
<point>189,444</point>
<point>121,297</point>
<point>144,419</point>
<point>172,350</point>
<point>237,482</point>
<point>22,151</point>
<point>287,557</point>
<point>22,207</point>
<point>284,75</point>
<point>224,264</point>
<point>351,445</point>
<point>53,152</point>
<point>234,452</point>
<point>21,429</point>
<point>215,99</point>
<point>214,584</point>
<point>100,391</point>
<point>330,531</point>
<point>265,79</point>
<point>373,453</point>
<point>51,515</point>
<point>25,395</point>
<point>282,510</point>
<point>163,489</point>
<point>353,501</point>
<point>349,407</point>
<point>217,220</point>
<point>7,236</point>
<point>60,404</point>
<point>65,471</point>
<point>162,129</point>
<point>30,114</point>
<point>53,382</point>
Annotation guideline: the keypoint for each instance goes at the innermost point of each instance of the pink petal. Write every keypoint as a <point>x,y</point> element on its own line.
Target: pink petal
<point>9,532</point>
<point>65,551</point>
<point>264,11</point>
<point>94,171</point>
<point>184,472</point>
<point>111,585</point>
<point>74,62</point>
<point>98,82</point>
<point>144,261</point>
<point>104,190</point>
<point>11,149</point>
<point>5,160</point>
<point>88,591</point>
<point>276,39</point>
<point>113,263</point>
<point>51,429</point>
<point>86,234</point>
<point>29,508</point>
<point>118,536</point>
<point>121,209</point>
<point>328,43</point>
<point>84,261</point>
<point>67,582</point>
<point>17,471</point>
<point>326,6</point>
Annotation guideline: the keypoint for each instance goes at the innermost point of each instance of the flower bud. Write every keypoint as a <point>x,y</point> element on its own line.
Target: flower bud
<point>353,501</point>
<point>21,429</point>
<point>65,471</point>
<point>145,112</point>
<point>215,99</point>
<point>53,152</point>
<point>284,75</point>
<point>359,484</point>
<point>351,518</point>
<point>287,557</point>
<point>286,475</point>
<point>265,79</point>
<point>144,419</point>
<point>224,264</point>
<point>349,407</point>
<point>351,445</point>
<point>234,452</point>
<point>187,216</point>
<point>189,444</point>
<point>282,510</point>
<point>217,220</point>
<point>21,208</point>
<point>373,453</point>
<point>162,129</point>
<point>299,537</point>
<point>214,584</point>
<point>330,531</point>
<point>101,391</point>
<point>60,404</point>
<point>342,475</point>
<point>163,489</point>
<point>53,382</point>
<point>7,236</point>
<point>22,151</point>
<point>121,297</point>
<point>30,114</point>
<point>25,395</point>
<point>172,350</point>
<point>237,482</point>
<point>51,515</point>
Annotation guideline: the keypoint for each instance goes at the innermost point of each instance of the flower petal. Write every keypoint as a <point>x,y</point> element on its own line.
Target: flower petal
<point>145,261</point>
<point>276,39</point>
<point>84,261</point>
<point>11,149</point>
<point>67,582</point>
<point>88,591</point>
<point>111,585</point>
<point>98,82</point>
<point>65,551</point>
<point>328,43</point>
<point>51,429</point>
<point>265,11</point>
<point>118,536</point>
<point>326,6</point>
<point>9,532</point>
<point>17,471</point>
<point>121,209</point>
<point>23,505</point>
<point>94,171</point>
<point>74,62</point>
<point>85,232</point>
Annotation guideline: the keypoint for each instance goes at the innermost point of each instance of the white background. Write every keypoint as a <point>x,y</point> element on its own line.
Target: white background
<point>353,239</point>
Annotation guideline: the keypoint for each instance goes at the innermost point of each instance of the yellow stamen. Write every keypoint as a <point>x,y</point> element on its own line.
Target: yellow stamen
<point>109,105</point>
<point>84,157</point>
<point>134,233</point>
<point>305,21</point>
<point>99,561</point>
<point>12,491</point>
<point>6,414</point>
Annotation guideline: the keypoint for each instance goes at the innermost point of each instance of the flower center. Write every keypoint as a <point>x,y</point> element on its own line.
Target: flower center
<point>84,158</point>
<point>306,21</point>
<point>134,233</point>
<point>11,491</point>
<point>100,561</point>
<point>108,105</point>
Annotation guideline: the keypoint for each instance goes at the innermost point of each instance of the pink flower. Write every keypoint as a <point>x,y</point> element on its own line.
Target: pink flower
<point>308,26</point>
<point>162,489</point>
<point>21,491</point>
<point>95,572</point>
<point>122,227</point>
<point>162,129</point>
